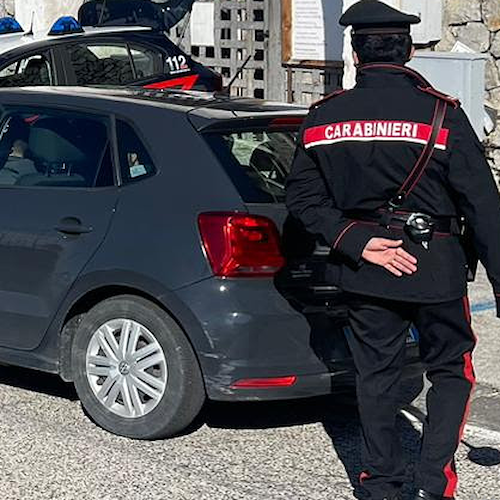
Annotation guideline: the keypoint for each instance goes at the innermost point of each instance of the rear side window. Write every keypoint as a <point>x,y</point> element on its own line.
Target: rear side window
<point>172,61</point>
<point>135,161</point>
<point>121,63</point>
<point>147,61</point>
<point>258,161</point>
<point>108,64</point>
<point>45,148</point>
<point>30,71</point>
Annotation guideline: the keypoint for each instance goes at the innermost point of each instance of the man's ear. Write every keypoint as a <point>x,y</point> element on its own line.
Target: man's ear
<point>412,52</point>
<point>355,57</point>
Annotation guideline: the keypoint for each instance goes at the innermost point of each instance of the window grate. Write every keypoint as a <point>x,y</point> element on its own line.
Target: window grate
<point>240,27</point>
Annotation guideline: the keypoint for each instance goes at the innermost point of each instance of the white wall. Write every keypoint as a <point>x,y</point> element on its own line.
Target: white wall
<point>45,11</point>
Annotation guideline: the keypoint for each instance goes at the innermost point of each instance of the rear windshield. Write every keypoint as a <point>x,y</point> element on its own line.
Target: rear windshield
<point>258,162</point>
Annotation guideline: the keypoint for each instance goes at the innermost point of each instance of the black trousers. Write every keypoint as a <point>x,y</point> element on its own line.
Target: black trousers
<point>378,345</point>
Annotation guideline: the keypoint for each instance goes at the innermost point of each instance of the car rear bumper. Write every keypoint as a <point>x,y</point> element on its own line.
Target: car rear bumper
<point>253,332</point>
<point>319,384</point>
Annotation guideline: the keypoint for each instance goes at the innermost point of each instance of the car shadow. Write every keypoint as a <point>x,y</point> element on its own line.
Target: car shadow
<point>339,417</point>
<point>31,380</point>
<point>337,414</point>
<point>266,415</point>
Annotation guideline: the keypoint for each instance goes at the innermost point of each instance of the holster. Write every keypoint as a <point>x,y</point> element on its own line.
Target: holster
<point>467,241</point>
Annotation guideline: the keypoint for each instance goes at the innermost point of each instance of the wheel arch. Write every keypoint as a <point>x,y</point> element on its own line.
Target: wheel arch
<point>85,300</point>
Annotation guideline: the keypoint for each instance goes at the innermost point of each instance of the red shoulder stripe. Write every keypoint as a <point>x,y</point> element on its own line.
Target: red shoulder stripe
<point>432,91</point>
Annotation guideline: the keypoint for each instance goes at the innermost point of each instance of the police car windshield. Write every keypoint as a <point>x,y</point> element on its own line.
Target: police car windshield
<point>257,161</point>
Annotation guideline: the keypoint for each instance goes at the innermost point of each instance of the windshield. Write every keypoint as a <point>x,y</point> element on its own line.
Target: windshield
<point>258,161</point>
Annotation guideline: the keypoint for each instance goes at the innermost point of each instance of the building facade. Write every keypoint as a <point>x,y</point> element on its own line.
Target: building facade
<point>246,45</point>
<point>6,8</point>
<point>40,14</point>
<point>253,28</point>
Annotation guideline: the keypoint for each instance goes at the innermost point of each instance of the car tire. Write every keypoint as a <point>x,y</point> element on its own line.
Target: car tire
<point>146,384</point>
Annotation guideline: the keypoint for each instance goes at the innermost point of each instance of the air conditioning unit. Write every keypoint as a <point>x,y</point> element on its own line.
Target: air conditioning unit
<point>461,75</point>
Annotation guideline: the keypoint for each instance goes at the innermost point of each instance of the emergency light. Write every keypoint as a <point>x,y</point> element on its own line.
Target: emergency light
<point>66,25</point>
<point>9,25</point>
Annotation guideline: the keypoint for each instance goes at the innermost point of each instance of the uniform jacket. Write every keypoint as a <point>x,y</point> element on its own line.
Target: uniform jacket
<point>355,151</point>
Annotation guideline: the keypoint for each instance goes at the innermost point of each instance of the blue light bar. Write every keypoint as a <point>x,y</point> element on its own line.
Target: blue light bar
<point>9,25</point>
<point>66,26</point>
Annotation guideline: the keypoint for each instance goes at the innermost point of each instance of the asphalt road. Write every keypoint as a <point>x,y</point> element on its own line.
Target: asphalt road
<point>293,450</point>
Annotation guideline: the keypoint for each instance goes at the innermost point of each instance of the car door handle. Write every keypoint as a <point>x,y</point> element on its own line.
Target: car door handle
<point>72,225</point>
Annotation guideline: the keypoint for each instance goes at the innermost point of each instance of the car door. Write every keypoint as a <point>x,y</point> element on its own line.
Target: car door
<point>148,60</point>
<point>57,200</point>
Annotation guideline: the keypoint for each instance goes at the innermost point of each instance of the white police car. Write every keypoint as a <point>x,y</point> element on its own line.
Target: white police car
<point>72,53</point>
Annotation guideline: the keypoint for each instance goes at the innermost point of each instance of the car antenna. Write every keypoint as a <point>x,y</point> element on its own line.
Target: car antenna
<point>30,31</point>
<point>227,89</point>
<point>184,29</point>
<point>101,15</point>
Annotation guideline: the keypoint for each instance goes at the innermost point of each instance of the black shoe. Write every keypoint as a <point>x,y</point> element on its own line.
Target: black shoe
<point>425,495</point>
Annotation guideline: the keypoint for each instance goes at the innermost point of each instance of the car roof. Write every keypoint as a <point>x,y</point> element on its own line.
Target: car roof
<point>18,40</point>
<point>203,107</point>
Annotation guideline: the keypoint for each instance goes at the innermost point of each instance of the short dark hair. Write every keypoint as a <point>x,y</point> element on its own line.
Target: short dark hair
<point>383,48</point>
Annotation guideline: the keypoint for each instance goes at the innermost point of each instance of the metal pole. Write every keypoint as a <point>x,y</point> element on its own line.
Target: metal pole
<point>289,84</point>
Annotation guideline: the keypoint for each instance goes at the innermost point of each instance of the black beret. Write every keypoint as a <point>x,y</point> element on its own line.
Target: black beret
<point>374,17</point>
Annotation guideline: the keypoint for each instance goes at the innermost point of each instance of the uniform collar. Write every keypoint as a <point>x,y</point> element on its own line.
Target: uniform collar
<point>385,76</point>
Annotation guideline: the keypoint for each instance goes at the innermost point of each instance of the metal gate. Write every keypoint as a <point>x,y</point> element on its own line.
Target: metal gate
<point>241,30</point>
<point>253,28</point>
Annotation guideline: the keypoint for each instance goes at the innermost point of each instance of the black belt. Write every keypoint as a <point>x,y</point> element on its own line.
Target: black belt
<point>448,225</point>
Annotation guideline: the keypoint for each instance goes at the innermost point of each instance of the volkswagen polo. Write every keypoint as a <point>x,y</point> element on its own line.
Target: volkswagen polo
<point>147,256</point>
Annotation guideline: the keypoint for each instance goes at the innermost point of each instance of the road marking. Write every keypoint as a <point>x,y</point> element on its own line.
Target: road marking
<point>416,417</point>
<point>488,435</point>
<point>483,306</point>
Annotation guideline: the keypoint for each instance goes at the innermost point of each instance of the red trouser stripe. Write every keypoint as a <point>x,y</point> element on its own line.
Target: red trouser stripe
<point>469,375</point>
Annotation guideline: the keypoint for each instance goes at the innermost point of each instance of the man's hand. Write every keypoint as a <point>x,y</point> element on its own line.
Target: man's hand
<point>389,255</point>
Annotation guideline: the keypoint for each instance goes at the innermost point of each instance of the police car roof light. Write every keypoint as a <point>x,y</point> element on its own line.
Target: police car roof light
<point>9,25</point>
<point>65,26</point>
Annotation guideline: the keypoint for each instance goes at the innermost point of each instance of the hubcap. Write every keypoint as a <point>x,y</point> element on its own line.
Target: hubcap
<point>126,368</point>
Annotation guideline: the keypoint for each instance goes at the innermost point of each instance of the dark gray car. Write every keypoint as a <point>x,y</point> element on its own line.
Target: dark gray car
<point>142,255</point>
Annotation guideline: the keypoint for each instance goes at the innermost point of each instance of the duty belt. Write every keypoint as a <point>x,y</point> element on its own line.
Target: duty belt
<point>419,227</point>
<point>443,225</point>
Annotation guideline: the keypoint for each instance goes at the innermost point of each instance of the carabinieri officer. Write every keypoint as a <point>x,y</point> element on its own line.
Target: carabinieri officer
<point>384,174</point>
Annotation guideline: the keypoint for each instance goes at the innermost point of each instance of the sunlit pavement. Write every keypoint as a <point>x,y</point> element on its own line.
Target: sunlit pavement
<point>486,409</point>
<point>291,450</point>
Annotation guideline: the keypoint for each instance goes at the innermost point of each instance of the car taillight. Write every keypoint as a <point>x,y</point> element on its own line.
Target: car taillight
<point>265,383</point>
<point>240,245</point>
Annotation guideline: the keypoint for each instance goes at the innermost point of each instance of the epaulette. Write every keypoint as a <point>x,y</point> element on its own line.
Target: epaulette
<point>328,97</point>
<point>450,100</point>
